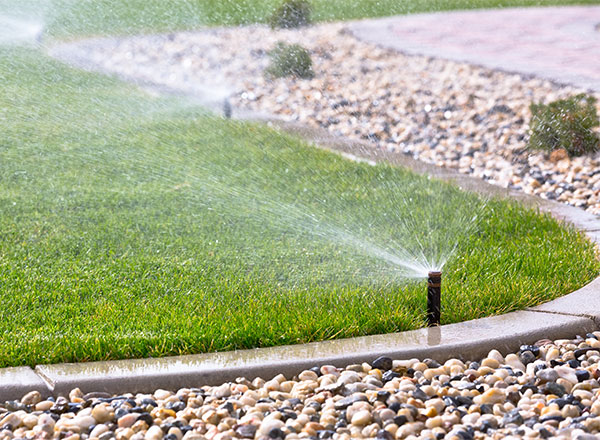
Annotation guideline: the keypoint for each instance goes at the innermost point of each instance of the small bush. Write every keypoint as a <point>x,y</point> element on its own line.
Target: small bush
<point>566,123</point>
<point>290,60</point>
<point>291,14</point>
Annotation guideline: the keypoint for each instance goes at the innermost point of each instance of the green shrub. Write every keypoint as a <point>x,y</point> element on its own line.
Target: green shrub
<point>566,123</point>
<point>291,14</point>
<point>290,60</point>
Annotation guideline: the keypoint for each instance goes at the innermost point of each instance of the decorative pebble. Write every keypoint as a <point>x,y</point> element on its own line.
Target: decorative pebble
<point>556,398</point>
<point>383,363</point>
<point>490,397</point>
<point>31,398</point>
<point>102,413</point>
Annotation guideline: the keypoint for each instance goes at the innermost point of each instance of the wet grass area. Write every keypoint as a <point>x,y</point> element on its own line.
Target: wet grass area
<point>134,226</point>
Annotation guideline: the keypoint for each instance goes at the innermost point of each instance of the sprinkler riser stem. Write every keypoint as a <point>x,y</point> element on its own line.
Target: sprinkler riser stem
<point>434,298</point>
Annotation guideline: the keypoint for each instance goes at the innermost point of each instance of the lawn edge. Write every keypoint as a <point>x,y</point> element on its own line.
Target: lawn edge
<point>575,313</point>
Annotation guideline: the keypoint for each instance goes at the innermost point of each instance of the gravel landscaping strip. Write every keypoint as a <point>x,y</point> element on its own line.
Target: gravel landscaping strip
<point>548,389</point>
<point>452,114</point>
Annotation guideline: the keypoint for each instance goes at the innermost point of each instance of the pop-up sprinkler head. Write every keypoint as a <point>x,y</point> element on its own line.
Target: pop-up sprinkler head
<point>434,298</point>
<point>227,110</point>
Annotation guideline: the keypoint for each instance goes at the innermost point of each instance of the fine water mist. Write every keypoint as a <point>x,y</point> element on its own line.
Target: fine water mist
<point>354,243</point>
<point>15,30</point>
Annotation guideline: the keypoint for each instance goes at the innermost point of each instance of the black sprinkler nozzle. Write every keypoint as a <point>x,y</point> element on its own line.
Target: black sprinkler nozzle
<point>434,298</point>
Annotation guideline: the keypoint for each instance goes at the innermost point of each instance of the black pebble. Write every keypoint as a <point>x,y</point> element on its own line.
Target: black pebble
<point>227,406</point>
<point>383,363</point>
<point>419,394</point>
<point>553,388</point>
<point>486,409</point>
<point>382,434</point>
<point>464,435</point>
<point>383,395</point>
<point>513,397</point>
<point>315,405</point>
<point>294,401</point>
<point>526,387</point>
<point>276,433</point>
<point>512,417</point>
<point>347,401</point>
<point>450,401</point>
<point>582,375</point>
<point>532,348</point>
<point>340,424</point>
<point>120,412</point>
<point>145,417</point>
<point>400,420</point>
<point>316,370</point>
<point>60,408</point>
<point>178,406</point>
<point>464,400</point>
<point>431,363</point>
<point>325,434</point>
<point>527,357</point>
<point>485,426</point>
<point>581,351</point>
<point>178,424</point>
<point>389,375</point>
<point>560,402</point>
<point>286,415</point>
<point>394,406</point>
<point>148,401</point>
<point>551,418</point>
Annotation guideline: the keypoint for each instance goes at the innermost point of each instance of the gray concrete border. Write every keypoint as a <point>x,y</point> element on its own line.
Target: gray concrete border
<point>576,313</point>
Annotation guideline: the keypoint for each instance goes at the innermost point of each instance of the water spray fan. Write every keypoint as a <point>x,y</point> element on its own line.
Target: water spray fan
<point>434,298</point>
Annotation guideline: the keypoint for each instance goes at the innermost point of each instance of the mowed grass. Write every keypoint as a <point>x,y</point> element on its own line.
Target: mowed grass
<point>69,18</point>
<point>133,226</point>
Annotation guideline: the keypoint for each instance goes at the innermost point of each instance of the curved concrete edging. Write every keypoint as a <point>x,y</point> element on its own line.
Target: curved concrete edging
<point>576,313</point>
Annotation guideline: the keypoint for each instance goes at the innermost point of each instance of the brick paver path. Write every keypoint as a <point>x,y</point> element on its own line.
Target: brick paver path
<point>559,43</point>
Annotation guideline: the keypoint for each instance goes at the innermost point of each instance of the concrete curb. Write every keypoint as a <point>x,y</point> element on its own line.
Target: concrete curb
<point>576,313</point>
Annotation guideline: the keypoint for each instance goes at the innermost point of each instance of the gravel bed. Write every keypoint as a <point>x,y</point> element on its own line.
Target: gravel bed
<point>452,114</point>
<point>549,389</point>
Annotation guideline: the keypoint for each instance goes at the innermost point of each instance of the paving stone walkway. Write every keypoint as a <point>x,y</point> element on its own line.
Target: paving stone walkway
<point>558,43</point>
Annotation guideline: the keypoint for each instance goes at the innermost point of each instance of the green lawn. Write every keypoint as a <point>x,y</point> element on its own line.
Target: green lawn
<point>66,18</point>
<point>134,226</point>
